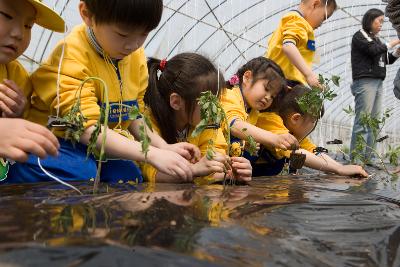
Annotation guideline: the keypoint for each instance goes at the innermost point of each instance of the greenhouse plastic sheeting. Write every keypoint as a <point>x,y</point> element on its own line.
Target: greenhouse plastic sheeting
<point>230,32</point>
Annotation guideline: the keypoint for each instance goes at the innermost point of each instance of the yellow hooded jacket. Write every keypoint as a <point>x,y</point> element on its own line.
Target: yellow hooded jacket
<point>295,29</point>
<point>82,61</point>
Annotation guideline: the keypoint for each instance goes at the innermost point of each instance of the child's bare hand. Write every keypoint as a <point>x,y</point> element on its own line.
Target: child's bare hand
<point>393,43</point>
<point>352,170</point>
<point>242,170</point>
<point>12,100</point>
<point>313,81</point>
<point>188,151</point>
<point>170,163</point>
<point>18,138</point>
<point>285,142</point>
<point>218,164</point>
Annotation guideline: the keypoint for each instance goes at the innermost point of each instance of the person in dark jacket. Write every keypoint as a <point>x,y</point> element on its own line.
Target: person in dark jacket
<point>369,57</point>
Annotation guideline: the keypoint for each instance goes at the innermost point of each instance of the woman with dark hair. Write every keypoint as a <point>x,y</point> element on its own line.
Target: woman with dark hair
<point>369,57</point>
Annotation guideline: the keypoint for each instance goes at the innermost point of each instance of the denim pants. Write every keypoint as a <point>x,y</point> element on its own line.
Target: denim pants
<point>368,99</point>
<point>72,165</point>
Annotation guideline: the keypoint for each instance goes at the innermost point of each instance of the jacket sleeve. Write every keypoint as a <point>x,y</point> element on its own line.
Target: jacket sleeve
<point>396,84</point>
<point>72,74</point>
<point>390,58</point>
<point>233,106</point>
<point>371,48</point>
<point>294,30</point>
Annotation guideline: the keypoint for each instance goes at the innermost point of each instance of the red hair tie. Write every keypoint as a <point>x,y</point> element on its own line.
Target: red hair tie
<point>163,64</point>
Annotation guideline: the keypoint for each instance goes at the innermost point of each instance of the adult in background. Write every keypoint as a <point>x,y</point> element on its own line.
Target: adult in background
<point>369,57</point>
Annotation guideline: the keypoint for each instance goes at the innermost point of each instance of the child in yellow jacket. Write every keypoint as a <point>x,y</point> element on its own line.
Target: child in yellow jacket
<point>250,91</point>
<point>18,138</point>
<point>172,97</point>
<point>289,118</point>
<point>292,45</point>
<point>108,46</point>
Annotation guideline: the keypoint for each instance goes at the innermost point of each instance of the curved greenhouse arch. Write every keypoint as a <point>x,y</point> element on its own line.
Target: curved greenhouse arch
<point>232,31</point>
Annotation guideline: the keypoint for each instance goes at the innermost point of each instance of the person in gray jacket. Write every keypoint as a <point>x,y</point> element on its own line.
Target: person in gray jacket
<point>393,13</point>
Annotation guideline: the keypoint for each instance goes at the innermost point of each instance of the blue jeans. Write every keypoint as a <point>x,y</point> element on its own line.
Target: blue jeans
<point>72,165</point>
<point>368,99</point>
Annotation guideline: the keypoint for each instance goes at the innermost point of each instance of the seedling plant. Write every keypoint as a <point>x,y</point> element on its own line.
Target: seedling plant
<point>362,151</point>
<point>213,117</point>
<point>312,104</point>
<point>73,125</point>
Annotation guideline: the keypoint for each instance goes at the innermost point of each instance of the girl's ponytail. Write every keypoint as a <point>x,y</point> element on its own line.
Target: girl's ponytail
<point>157,99</point>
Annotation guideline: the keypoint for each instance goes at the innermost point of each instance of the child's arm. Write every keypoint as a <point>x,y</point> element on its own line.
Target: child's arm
<point>186,150</point>
<point>293,54</point>
<point>121,147</point>
<point>327,164</point>
<point>19,138</point>
<point>266,138</point>
<point>12,100</point>
<point>202,168</point>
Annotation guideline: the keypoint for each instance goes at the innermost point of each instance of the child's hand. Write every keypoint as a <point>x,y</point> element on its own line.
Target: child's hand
<point>18,138</point>
<point>393,43</point>
<point>242,170</point>
<point>186,150</point>
<point>352,170</point>
<point>313,81</point>
<point>205,167</point>
<point>170,163</point>
<point>285,142</point>
<point>12,100</point>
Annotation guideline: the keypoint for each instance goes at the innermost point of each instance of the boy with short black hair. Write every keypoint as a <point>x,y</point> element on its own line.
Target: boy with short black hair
<point>291,119</point>
<point>292,45</point>
<point>108,46</point>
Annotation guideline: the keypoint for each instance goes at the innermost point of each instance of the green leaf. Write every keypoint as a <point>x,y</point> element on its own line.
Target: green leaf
<point>336,80</point>
<point>134,113</point>
<point>144,140</point>
<point>200,128</point>
<point>321,79</point>
<point>349,111</point>
<point>312,102</point>
<point>210,154</point>
<point>211,113</point>
<point>251,145</point>
<point>148,122</point>
<point>92,146</point>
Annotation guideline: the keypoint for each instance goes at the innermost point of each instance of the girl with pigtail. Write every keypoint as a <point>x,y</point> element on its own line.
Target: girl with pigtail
<point>172,102</point>
<point>251,90</point>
